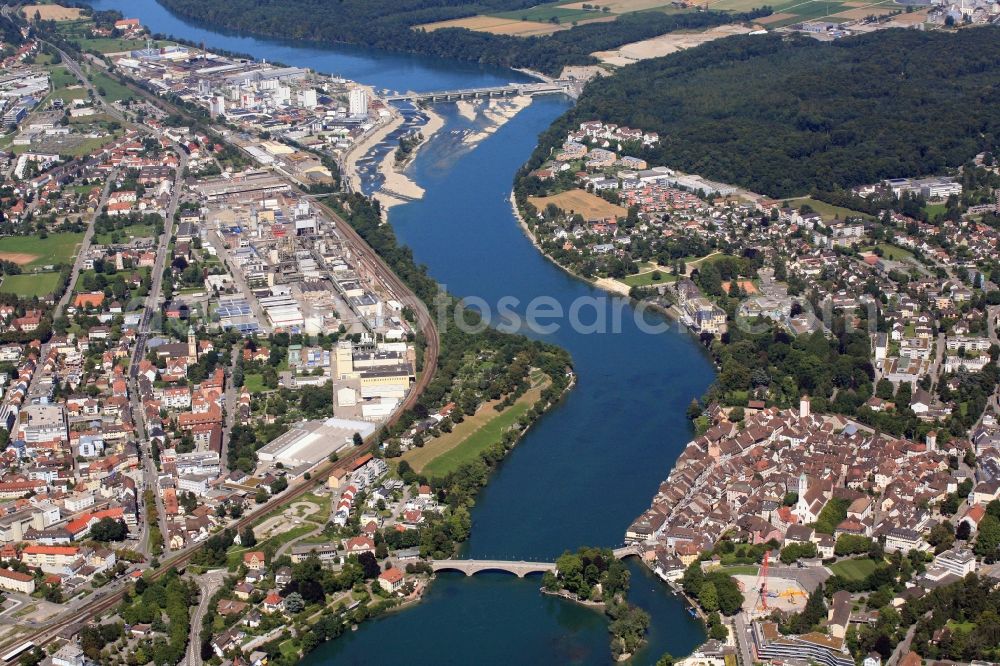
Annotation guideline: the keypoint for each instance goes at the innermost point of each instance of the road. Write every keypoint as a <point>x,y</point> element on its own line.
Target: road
<point>743,639</point>
<point>148,322</point>
<point>151,303</point>
<point>84,248</point>
<point>230,401</point>
<point>94,607</point>
<point>209,583</point>
<point>215,239</point>
<point>89,233</point>
<point>74,275</point>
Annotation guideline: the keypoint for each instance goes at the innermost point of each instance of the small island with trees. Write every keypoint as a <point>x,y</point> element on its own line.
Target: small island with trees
<point>594,576</point>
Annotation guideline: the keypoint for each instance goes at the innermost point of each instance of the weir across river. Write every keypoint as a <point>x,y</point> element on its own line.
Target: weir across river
<point>560,86</point>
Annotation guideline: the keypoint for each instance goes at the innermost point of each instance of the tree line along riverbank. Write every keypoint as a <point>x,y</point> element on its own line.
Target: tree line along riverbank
<point>394,26</point>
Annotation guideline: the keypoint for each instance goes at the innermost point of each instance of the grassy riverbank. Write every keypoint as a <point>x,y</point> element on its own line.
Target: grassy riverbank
<point>471,437</point>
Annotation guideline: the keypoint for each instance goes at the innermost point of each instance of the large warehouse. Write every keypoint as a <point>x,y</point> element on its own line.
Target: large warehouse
<point>311,442</point>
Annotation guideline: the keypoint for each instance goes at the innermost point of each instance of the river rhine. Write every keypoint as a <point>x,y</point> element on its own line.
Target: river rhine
<point>587,468</point>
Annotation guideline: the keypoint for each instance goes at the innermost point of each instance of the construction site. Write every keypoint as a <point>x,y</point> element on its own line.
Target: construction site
<point>769,591</point>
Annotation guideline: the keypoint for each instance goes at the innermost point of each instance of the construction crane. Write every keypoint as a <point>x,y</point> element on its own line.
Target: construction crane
<point>762,603</point>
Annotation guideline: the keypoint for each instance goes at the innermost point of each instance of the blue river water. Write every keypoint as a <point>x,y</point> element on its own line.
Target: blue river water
<point>588,467</point>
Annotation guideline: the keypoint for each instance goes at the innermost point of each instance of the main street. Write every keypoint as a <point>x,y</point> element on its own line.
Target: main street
<point>150,323</point>
<point>151,306</point>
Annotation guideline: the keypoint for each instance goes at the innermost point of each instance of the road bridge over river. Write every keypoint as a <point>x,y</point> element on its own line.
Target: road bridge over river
<point>519,568</point>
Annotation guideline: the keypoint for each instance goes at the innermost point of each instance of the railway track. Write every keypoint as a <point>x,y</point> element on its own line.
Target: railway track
<point>91,610</point>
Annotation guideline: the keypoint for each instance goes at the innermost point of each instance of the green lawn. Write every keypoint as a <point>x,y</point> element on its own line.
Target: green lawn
<point>235,555</point>
<point>827,211</point>
<point>254,383</point>
<point>646,279</point>
<point>114,91</point>
<point>131,231</point>
<point>476,443</point>
<point>54,249</point>
<point>112,45</point>
<point>75,29</point>
<point>935,209</point>
<point>323,503</point>
<point>742,570</point>
<point>290,649</point>
<point>28,284</point>
<point>60,77</point>
<point>963,627</point>
<point>893,252</point>
<point>77,148</point>
<point>857,569</point>
<point>832,514</point>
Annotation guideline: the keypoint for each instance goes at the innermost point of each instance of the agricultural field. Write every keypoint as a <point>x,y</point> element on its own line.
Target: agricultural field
<point>499,26</point>
<point>550,17</point>
<point>30,284</point>
<point>552,13</point>
<point>621,6</point>
<point>795,11</point>
<point>856,569</point>
<point>589,205</point>
<point>52,12</point>
<point>34,252</point>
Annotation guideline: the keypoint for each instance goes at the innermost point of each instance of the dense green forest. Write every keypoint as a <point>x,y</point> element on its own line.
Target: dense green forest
<point>388,25</point>
<point>786,115</point>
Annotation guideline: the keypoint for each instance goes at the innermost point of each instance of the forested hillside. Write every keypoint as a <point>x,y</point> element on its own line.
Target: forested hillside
<point>387,24</point>
<point>786,115</point>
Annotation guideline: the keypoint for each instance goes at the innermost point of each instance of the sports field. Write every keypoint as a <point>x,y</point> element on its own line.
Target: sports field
<point>30,284</point>
<point>857,569</point>
<point>32,251</point>
<point>589,205</point>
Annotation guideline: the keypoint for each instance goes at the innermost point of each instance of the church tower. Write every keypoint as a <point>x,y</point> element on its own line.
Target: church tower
<point>192,343</point>
<point>802,507</point>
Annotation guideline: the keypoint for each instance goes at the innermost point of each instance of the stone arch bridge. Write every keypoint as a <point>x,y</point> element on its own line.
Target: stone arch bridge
<point>519,568</point>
